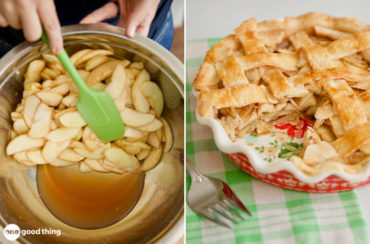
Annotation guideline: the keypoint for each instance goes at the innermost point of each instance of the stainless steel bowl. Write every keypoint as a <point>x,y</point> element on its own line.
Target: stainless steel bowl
<point>158,216</point>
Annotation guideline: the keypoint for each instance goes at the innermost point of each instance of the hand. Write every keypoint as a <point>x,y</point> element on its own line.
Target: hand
<point>135,15</point>
<point>29,15</point>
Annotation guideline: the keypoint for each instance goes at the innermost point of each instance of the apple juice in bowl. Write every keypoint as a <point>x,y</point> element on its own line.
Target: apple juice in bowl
<point>107,169</point>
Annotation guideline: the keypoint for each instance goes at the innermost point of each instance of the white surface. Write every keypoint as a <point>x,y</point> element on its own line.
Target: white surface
<point>217,18</point>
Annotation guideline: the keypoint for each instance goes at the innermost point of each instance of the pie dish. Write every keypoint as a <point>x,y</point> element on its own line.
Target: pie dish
<point>310,73</point>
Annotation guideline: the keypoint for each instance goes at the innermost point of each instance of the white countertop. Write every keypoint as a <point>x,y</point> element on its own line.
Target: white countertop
<point>218,18</point>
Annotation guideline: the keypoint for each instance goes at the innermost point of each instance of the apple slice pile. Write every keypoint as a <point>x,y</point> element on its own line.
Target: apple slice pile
<point>48,129</point>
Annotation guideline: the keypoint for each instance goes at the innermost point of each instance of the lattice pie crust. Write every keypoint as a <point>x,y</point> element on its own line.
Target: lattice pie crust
<point>281,70</point>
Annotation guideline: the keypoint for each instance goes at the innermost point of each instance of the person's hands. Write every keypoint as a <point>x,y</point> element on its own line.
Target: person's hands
<point>29,15</point>
<point>135,15</point>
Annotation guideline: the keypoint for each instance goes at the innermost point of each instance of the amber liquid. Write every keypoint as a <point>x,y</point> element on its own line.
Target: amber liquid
<point>88,200</point>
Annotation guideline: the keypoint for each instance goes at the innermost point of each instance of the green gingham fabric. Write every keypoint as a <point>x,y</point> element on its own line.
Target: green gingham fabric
<point>278,215</point>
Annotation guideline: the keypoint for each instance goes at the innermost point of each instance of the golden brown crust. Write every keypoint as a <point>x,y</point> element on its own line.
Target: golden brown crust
<point>207,75</point>
<point>319,59</point>
<point>232,73</point>
<point>237,96</point>
<point>279,60</point>
<point>348,106</point>
<point>350,45</point>
<point>246,35</point>
<point>279,86</point>
<point>354,138</point>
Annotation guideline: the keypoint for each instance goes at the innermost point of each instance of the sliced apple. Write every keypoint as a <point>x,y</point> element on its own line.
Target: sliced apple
<point>42,121</point>
<point>61,163</point>
<point>50,58</point>
<point>153,93</point>
<point>133,73</point>
<point>50,98</point>
<point>152,126</point>
<point>121,159</point>
<point>62,134</point>
<point>89,155</point>
<point>168,134</point>
<point>92,145</point>
<point>112,167</point>
<point>34,70</point>
<point>36,157</point>
<point>77,55</point>
<point>140,102</point>
<point>95,62</point>
<point>102,72</point>
<point>60,80</point>
<point>61,89</point>
<point>78,136</point>
<point>70,100</point>
<point>99,86</point>
<point>160,133</point>
<point>142,154</point>
<point>132,149</point>
<point>136,119</point>
<point>20,126</point>
<point>47,84</point>
<point>84,167</point>
<point>32,86</point>
<point>31,104</point>
<point>92,54</point>
<point>102,147</point>
<point>72,119</point>
<point>22,158</point>
<point>154,140</point>
<point>27,93</point>
<point>152,160</point>
<point>16,115</point>
<point>23,143</point>
<point>121,100</point>
<point>95,165</point>
<point>123,143</point>
<point>51,150</point>
<point>58,67</point>
<point>118,82</point>
<point>70,155</point>
<point>87,133</point>
<point>137,65</point>
<point>129,98</point>
<point>53,125</point>
<point>83,73</point>
<point>77,144</point>
<point>133,133</point>
<point>48,74</point>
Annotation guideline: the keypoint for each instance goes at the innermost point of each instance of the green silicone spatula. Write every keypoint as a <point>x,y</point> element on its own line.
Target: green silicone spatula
<point>96,107</point>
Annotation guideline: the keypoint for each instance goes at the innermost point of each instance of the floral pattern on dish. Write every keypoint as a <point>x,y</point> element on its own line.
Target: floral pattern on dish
<point>283,143</point>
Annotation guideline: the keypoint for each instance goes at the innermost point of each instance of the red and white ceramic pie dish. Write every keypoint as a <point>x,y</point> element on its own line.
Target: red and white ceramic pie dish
<point>265,158</point>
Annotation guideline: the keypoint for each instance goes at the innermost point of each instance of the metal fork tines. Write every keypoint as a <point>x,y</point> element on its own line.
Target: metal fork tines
<point>213,198</point>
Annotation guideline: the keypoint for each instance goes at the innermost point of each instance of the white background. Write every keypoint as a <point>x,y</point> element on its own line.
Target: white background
<point>218,18</point>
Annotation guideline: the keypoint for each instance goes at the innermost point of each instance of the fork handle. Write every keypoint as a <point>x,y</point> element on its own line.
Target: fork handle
<point>195,174</point>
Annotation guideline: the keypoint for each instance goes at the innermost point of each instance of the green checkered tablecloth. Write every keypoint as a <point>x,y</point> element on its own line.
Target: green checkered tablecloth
<point>278,215</point>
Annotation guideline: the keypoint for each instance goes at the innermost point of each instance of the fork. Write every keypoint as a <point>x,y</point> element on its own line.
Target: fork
<point>212,198</point>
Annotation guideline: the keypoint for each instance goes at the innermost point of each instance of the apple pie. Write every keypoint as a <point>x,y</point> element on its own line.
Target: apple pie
<point>271,72</point>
